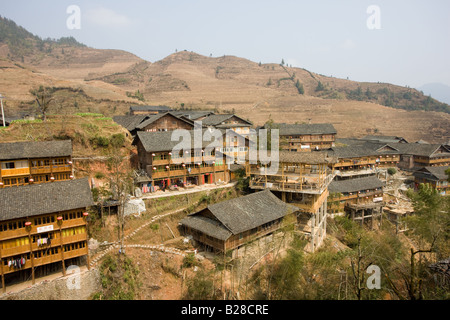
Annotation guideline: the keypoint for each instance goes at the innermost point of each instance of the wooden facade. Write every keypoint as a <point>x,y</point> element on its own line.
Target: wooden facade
<point>167,122</point>
<point>354,191</point>
<point>304,137</point>
<point>33,234</point>
<point>166,168</point>
<point>228,225</point>
<point>34,166</point>
<point>302,180</point>
<point>436,177</point>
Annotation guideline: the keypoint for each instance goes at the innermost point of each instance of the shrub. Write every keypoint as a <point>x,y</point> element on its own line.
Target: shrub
<point>391,171</point>
<point>117,140</point>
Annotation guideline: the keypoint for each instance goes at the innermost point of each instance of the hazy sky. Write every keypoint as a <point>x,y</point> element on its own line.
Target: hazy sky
<point>409,46</point>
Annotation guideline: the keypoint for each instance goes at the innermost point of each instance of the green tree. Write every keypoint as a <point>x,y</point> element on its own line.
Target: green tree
<point>320,87</point>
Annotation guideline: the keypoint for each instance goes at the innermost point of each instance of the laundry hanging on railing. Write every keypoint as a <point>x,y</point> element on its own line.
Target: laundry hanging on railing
<point>17,263</point>
<point>43,241</point>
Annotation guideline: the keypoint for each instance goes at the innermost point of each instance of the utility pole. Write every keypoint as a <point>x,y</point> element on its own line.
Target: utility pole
<point>3,113</point>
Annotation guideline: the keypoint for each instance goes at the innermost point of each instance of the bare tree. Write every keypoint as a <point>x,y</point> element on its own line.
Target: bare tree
<point>121,184</point>
<point>43,97</point>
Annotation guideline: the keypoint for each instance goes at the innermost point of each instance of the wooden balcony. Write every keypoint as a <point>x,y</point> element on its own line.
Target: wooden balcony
<point>15,172</point>
<point>314,205</point>
<point>314,185</point>
<point>22,232</point>
<point>184,172</point>
<point>52,168</point>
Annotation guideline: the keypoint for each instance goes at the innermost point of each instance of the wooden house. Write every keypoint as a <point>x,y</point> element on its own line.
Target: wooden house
<point>228,121</point>
<point>165,169</point>
<point>363,159</point>
<point>145,110</point>
<point>354,191</point>
<point>228,225</point>
<point>435,176</point>
<point>301,179</point>
<point>305,137</point>
<point>23,163</point>
<point>415,155</point>
<point>153,123</point>
<point>41,226</point>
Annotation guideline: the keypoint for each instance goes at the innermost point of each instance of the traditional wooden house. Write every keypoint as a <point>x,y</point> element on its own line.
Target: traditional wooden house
<point>165,169</point>
<point>354,191</point>
<point>42,226</point>
<point>305,137</point>
<point>301,179</point>
<point>435,176</point>
<point>135,110</point>
<point>415,155</point>
<point>228,121</point>
<point>23,163</point>
<point>364,159</point>
<point>384,139</point>
<point>153,123</point>
<point>228,225</point>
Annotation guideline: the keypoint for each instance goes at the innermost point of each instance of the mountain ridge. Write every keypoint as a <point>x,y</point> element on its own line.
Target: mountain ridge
<point>108,81</point>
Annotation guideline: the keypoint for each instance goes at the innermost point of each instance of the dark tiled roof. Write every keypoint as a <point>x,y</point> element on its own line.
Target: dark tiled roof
<point>155,117</point>
<point>305,157</point>
<point>241,214</point>
<point>217,119</point>
<point>353,185</point>
<point>150,108</point>
<point>418,149</point>
<point>437,172</point>
<point>38,199</point>
<point>208,226</point>
<point>33,149</point>
<point>192,115</point>
<point>130,122</point>
<point>303,128</point>
<point>386,139</point>
<point>162,141</point>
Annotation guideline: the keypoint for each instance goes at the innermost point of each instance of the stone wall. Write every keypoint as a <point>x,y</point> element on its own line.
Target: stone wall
<point>78,284</point>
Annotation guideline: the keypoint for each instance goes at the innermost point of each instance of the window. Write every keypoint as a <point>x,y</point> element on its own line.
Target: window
<point>8,165</point>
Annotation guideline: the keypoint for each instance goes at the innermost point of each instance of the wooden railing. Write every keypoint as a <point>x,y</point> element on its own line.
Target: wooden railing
<point>185,172</point>
<point>15,172</point>
<point>305,185</point>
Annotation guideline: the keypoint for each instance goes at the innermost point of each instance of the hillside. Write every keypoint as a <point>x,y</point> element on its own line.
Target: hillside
<point>108,81</point>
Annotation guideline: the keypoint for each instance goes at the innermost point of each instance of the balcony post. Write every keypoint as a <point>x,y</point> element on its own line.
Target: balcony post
<point>1,261</point>
<point>31,254</point>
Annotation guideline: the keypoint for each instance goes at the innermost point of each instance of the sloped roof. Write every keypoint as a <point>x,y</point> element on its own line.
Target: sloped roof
<point>240,214</point>
<point>305,157</point>
<point>418,149</point>
<point>150,108</point>
<point>217,119</point>
<point>437,172</point>
<point>192,115</point>
<point>35,149</point>
<point>387,139</point>
<point>208,226</point>
<point>286,129</point>
<point>38,199</point>
<point>162,140</point>
<point>130,122</point>
<point>149,120</point>
<point>354,185</point>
